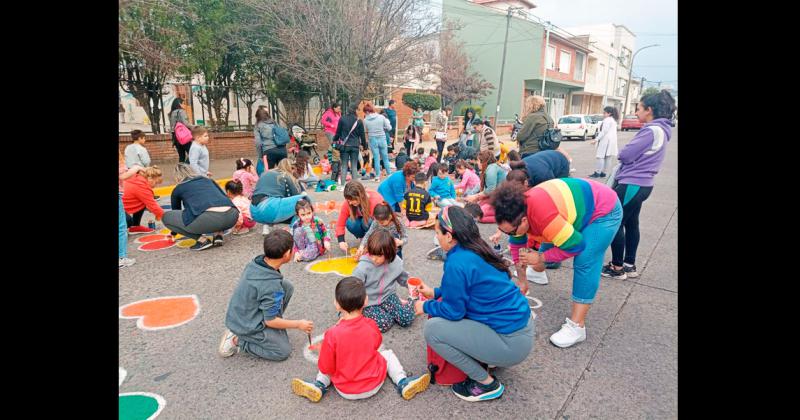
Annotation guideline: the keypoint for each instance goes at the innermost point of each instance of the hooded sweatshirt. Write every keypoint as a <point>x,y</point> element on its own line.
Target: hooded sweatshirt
<point>330,120</point>
<point>261,295</point>
<point>642,157</point>
<point>380,280</point>
<point>375,124</point>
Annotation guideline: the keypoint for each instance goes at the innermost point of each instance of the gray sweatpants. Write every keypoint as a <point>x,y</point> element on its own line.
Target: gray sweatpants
<point>207,222</point>
<point>269,343</point>
<point>466,342</point>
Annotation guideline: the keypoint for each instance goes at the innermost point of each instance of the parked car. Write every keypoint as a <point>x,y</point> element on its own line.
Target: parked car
<point>631,122</point>
<point>597,119</point>
<point>577,125</point>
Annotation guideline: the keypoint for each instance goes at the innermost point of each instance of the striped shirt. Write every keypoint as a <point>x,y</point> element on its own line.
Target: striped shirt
<point>559,209</point>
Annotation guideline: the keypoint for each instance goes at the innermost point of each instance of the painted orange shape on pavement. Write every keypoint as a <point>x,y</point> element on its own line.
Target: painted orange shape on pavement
<point>157,245</point>
<point>162,312</point>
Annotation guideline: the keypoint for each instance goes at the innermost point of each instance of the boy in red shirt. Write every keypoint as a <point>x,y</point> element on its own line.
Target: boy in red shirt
<point>349,356</point>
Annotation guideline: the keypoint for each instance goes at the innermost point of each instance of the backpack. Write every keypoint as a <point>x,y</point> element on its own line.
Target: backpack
<point>442,372</point>
<point>182,133</point>
<point>279,135</point>
<point>551,138</point>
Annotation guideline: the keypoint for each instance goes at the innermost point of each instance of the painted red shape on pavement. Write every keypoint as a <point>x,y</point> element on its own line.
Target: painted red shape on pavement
<point>162,312</point>
<point>156,245</point>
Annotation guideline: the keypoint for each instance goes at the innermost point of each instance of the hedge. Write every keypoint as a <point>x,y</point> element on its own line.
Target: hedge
<point>426,101</point>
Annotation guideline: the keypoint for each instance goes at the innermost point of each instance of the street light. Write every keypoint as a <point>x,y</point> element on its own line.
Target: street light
<point>630,71</point>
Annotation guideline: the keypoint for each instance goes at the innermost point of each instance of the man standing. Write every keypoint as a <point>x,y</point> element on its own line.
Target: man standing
<point>391,114</point>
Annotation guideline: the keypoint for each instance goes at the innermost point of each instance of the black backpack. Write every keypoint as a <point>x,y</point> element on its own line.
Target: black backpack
<point>551,138</point>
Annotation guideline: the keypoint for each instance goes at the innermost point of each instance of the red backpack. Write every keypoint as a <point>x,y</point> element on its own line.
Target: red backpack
<point>442,372</point>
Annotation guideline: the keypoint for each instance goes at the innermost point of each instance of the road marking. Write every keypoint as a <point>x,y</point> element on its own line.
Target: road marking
<point>161,312</point>
<point>140,405</point>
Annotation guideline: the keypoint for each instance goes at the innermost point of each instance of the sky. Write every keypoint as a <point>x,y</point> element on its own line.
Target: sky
<point>653,23</point>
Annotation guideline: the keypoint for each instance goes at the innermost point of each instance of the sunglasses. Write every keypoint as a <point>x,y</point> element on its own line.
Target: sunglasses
<point>514,230</point>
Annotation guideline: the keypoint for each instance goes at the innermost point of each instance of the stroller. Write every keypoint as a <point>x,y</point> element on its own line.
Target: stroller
<point>306,142</point>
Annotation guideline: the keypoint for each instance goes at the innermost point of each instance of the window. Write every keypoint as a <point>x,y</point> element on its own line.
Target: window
<point>569,120</point>
<point>625,57</point>
<point>577,103</point>
<point>580,58</point>
<point>601,74</point>
<point>564,62</point>
<point>551,54</point>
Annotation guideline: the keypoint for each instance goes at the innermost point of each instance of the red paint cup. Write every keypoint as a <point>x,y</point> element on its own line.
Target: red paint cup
<point>413,288</point>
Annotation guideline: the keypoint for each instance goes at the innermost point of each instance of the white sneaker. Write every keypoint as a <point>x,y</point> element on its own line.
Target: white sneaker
<point>226,346</point>
<point>569,334</point>
<point>535,276</point>
<point>126,262</point>
<point>265,231</point>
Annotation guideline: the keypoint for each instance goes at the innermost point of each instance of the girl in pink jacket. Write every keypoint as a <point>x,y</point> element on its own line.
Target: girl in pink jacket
<point>470,182</point>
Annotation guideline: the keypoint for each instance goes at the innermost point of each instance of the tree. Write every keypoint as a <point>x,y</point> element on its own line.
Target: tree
<point>452,65</point>
<point>422,100</point>
<point>149,51</point>
<point>650,91</point>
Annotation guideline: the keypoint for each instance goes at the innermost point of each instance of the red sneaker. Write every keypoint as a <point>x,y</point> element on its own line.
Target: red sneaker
<point>135,230</point>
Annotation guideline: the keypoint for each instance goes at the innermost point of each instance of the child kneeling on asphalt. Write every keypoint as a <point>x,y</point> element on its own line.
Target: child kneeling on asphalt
<point>349,355</point>
<point>255,312</point>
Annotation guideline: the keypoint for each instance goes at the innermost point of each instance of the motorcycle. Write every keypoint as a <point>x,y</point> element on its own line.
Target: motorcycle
<point>516,127</point>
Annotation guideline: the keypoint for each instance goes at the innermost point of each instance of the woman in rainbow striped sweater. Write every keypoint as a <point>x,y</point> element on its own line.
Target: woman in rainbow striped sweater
<point>570,217</point>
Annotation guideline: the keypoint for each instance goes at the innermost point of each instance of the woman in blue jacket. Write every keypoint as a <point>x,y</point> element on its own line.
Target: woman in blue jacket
<point>482,316</point>
<point>394,187</point>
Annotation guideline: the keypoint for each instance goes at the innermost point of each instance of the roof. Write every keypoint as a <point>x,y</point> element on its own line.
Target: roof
<point>525,2</point>
<point>580,46</point>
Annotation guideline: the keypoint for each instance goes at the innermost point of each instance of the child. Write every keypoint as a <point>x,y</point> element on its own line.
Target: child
<point>198,152</point>
<point>437,253</point>
<point>442,188</point>
<point>470,182</point>
<point>433,157</point>
<point>386,219</point>
<point>380,269</point>
<point>450,159</point>
<point>234,191</point>
<point>401,159</point>
<point>335,157</point>
<point>349,356</point>
<point>135,153</point>
<point>254,319</point>
<point>420,156</point>
<point>417,202</point>
<point>246,174</point>
<point>310,236</point>
<point>411,138</point>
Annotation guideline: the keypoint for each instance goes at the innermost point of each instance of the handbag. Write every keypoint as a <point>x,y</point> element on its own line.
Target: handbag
<point>551,138</point>
<point>339,144</point>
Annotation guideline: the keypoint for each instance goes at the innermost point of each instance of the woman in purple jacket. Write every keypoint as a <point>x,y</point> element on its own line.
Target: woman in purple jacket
<point>639,163</point>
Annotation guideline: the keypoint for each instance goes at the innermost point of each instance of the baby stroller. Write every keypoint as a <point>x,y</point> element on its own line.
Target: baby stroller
<point>306,142</point>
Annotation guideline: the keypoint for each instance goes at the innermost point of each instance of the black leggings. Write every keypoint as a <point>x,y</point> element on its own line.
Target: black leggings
<point>183,150</point>
<point>134,219</point>
<point>275,155</point>
<point>440,148</point>
<point>627,239</point>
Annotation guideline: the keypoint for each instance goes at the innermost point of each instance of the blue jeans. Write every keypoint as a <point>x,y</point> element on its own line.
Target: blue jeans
<point>275,209</point>
<point>380,153</point>
<point>589,263</point>
<point>357,227</point>
<point>123,231</point>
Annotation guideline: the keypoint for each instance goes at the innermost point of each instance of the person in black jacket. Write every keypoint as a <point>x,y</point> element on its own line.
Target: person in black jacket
<point>351,131</point>
<point>543,166</point>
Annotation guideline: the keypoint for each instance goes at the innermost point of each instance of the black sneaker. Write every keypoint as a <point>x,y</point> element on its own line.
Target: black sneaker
<point>473,391</point>
<point>609,271</point>
<point>594,175</point>
<point>218,241</point>
<point>436,254</point>
<point>199,246</point>
<point>630,270</point>
<point>603,175</point>
<point>552,265</point>
<point>410,386</point>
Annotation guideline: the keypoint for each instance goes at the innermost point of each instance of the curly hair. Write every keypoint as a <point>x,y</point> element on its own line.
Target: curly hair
<point>410,169</point>
<point>508,201</point>
<point>662,104</point>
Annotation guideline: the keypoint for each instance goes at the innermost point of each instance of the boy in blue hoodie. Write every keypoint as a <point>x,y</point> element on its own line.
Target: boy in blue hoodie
<point>255,313</point>
<point>442,189</point>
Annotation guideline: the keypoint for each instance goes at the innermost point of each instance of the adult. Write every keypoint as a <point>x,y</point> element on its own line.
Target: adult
<point>440,130</point>
<point>199,208</point>
<point>395,186</point>
<point>466,133</point>
<point>570,217</point>
<point>391,115</point>
<point>275,194</point>
<point>356,212</point>
<point>303,171</point>
<point>492,175</point>
<point>330,120</point>
<point>418,122</point>
<point>124,173</point>
<point>639,163</point>
<point>487,138</point>
<point>351,130</point>
<point>376,126</point>
<point>543,166</point>
<point>533,128</point>
<point>265,139</point>
<point>137,197</point>
<point>178,114</point>
<point>606,142</point>
<point>482,317</point>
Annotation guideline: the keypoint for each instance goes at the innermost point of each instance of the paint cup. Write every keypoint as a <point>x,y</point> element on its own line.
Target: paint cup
<point>331,205</point>
<point>413,288</point>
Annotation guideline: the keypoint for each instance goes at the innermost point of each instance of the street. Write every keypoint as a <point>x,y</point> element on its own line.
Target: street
<point>627,367</point>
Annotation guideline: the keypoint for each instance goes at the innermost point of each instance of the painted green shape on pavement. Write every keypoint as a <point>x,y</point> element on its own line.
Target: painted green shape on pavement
<point>139,406</point>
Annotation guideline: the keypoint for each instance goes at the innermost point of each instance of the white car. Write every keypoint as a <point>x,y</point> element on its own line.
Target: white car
<point>577,125</point>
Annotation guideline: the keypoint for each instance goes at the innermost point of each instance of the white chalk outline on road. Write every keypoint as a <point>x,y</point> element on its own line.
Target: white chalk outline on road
<point>151,250</point>
<point>309,355</point>
<point>140,318</point>
<point>122,375</point>
<point>159,399</point>
<point>533,299</point>
<point>308,266</point>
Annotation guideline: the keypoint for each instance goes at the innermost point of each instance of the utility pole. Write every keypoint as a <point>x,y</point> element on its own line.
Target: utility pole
<point>630,72</point>
<point>503,64</point>
<point>546,48</point>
